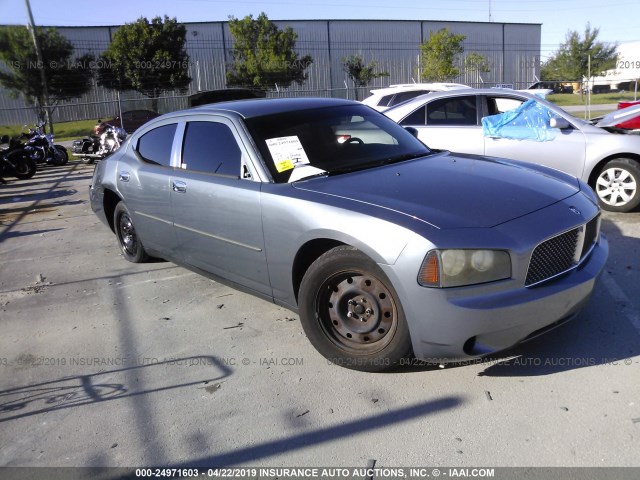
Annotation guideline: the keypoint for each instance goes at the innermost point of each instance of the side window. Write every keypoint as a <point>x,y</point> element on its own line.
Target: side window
<point>502,104</point>
<point>416,118</point>
<point>453,111</point>
<point>212,148</point>
<point>404,96</point>
<point>155,145</point>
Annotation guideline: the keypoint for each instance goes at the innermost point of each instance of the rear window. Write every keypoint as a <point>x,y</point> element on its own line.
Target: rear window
<point>404,96</point>
<point>453,111</point>
<point>384,101</point>
<point>155,145</point>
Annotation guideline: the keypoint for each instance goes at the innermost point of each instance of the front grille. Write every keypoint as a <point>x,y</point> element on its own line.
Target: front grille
<point>590,235</point>
<point>562,252</point>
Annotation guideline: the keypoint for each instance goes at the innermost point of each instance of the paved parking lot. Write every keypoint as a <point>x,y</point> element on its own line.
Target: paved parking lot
<point>107,363</point>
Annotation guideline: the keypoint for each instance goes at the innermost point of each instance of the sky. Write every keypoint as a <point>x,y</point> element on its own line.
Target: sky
<point>616,19</point>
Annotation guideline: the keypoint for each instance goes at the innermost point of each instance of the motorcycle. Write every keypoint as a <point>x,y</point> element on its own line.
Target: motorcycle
<point>14,162</point>
<point>98,147</point>
<point>41,148</point>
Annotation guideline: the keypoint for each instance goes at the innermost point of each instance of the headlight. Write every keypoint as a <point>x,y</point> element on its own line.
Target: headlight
<point>455,268</point>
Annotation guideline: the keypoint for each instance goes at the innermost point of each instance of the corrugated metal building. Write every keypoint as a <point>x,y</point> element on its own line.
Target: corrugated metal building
<point>512,51</point>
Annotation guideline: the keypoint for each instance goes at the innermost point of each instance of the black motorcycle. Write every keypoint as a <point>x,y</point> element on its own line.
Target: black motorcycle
<point>14,162</point>
<point>40,147</point>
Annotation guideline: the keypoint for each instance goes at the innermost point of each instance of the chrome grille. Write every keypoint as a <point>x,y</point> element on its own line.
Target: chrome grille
<point>591,234</point>
<point>562,252</point>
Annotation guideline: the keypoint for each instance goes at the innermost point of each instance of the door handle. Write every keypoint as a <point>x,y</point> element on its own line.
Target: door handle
<point>179,187</point>
<point>124,176</point>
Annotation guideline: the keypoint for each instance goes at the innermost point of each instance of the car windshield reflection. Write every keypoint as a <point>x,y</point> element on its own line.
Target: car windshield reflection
<point>298,145</point>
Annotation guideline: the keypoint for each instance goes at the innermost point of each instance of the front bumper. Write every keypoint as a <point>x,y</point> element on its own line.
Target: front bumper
<point>463,323</point>
<point>449,325</point>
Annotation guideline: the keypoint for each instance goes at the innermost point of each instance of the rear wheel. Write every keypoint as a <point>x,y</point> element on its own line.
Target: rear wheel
<point>130,244</point>
<point>351,313</point>
<point>617,185</point>
<point>24,168</point>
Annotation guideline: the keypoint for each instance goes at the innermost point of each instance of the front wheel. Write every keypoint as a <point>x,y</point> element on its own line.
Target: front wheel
<point>351,313</point>
<point>60,155</point>
<point>617,185</point>
<point>130,244</point>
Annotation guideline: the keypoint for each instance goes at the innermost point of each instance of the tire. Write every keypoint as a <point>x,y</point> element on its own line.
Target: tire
<point>618,185</point>
<point>25,168</point>
<point>351,313</point>
<point>130,245</point>
<point>60,154</point>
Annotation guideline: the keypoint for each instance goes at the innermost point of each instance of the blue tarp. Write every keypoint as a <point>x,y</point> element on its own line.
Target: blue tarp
<point>530,121</point>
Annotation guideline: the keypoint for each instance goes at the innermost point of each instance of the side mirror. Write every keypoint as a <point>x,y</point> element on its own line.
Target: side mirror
<point>412,131</point>
<point>558,122</point>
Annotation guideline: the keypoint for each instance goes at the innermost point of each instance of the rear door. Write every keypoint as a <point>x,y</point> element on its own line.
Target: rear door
<point>216,204</point>
<point>144,176</point>
<point>449,123</point>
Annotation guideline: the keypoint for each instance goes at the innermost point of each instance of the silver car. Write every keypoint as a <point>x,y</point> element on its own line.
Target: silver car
<point>605,158</point>
<point>383,247</point>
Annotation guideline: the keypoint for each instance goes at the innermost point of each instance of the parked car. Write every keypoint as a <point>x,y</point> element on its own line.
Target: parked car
<point>384,247</point>
<point>552,86</point>
<point>131,120</point>
<point>607,161</point>
<point>384,98</point>
<point>626,118</point>
<point>224,95</point>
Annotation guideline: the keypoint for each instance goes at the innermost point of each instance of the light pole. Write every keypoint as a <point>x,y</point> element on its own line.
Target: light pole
<point>41,66</point>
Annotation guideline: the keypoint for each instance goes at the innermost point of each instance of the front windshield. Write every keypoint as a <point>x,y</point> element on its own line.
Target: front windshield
<point>300,144</point>
<point>552,106</point>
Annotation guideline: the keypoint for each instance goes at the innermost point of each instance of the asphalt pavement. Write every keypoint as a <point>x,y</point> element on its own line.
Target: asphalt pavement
<point>107,363</point>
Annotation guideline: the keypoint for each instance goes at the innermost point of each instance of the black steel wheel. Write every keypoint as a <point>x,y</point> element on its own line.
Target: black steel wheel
<point>351,313</point>
<point>130,244</point>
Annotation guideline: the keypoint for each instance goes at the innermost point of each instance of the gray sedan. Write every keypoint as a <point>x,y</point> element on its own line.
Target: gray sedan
<point>606,158</point>
<point>385,248</point>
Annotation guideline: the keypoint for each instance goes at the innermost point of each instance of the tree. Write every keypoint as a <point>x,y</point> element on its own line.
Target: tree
<point>571,61</point>
<point>147,56</point>
<point>263,55</point>
<point>66,77</point>
<point>477,64</point>
<point>360,73</point>
<point>438,55</point>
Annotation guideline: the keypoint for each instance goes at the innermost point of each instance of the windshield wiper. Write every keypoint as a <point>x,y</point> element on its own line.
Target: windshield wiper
<point>402,158</point>
<point>379,163</point>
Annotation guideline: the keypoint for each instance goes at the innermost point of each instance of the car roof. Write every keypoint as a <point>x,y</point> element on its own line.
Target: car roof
<point>261,107</point>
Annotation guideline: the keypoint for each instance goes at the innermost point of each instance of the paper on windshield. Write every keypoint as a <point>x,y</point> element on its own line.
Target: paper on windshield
<point>287,153</point>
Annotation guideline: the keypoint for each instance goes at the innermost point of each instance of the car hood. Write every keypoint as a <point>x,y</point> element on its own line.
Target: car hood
<point>619,116</point>
<point>448,191</point>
